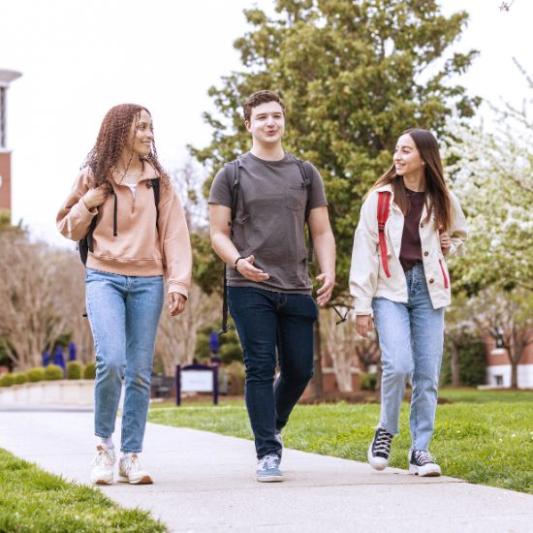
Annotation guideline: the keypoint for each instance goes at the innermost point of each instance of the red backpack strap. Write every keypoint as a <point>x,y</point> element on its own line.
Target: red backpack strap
<point>383,215</point>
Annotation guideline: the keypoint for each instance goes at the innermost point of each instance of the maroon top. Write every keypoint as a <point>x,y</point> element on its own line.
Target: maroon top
<point>411,249</point>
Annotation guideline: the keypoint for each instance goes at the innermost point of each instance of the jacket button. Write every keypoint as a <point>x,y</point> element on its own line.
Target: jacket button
<point>421,225</point>
<point>431,280</point>
<point>426,254</point>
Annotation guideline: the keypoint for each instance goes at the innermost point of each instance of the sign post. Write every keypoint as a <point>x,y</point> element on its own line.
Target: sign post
<point>196,378</point>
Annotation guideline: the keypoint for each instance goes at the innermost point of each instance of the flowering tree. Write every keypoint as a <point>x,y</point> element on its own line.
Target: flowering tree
<point>493,176</point>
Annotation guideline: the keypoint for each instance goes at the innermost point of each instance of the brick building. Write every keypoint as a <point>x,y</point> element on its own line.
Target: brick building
<point>499,370</point>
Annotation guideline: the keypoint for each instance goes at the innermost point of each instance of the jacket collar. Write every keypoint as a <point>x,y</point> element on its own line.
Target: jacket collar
<point>385,188</point>
<point>388,188</point>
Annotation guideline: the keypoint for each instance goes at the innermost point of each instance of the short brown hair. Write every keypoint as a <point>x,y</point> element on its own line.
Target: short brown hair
<point>258,98</point>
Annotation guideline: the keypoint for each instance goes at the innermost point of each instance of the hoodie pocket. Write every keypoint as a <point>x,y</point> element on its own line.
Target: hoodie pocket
<point>444,276</point>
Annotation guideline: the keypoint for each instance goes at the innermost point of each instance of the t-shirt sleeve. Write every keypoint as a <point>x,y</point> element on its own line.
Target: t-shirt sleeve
<point>317,192</point>
<point>220,193</point>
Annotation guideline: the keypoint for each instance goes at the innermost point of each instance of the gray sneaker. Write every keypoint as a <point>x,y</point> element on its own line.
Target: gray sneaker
<point>268,470</point>
<point>277,436</point>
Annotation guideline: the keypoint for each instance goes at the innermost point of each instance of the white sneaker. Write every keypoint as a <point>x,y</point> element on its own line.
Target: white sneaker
<point>130,471</point>
<point>103,463</point>
<point>421,463</point>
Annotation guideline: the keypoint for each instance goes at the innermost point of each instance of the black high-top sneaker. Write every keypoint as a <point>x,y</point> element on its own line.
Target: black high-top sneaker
<point>421,463</point>
<point>379,449</point>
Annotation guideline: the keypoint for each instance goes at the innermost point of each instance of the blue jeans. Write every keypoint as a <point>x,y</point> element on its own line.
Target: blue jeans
<point>267,320</point>
<point>124,313</point>
<point>411,339</point>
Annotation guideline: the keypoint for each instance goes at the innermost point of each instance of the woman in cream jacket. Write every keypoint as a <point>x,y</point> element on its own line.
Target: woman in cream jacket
<point>400,283</point>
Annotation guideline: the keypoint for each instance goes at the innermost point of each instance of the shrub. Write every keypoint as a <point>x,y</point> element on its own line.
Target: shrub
<point>236,375</point>
<point>7,380</point>
<point>89,371</point>
<point>53,372</point>
<point>74,370</point>
<point>472,362</point>
<point>35,375</point>
<point>19,378</point>
<point>369,381</point>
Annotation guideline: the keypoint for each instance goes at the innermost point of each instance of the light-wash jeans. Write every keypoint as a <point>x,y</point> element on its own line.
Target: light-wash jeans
<point>124,313</point>
<point>411,338</point>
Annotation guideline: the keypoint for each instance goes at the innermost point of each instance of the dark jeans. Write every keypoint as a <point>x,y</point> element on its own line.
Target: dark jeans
<point>267,320</point>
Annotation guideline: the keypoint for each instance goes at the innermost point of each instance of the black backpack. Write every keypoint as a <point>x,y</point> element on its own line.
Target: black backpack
<point>85,245</point>
<point>232,173</point>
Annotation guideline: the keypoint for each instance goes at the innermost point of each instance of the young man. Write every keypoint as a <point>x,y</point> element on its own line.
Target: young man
<point>269,290</point>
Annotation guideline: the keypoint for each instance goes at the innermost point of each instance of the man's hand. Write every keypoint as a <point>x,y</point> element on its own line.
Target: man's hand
<point>176,303</point>
<point>324,292</point>
<point>95,197</point>
<point>245,267</point>
<point>363,325</point>
<point>445,242</point>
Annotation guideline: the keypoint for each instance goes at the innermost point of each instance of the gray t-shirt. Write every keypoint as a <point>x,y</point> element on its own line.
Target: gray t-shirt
<point>270,220</point>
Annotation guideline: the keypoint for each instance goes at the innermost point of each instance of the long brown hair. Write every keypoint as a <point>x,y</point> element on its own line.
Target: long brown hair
<point>112,138</point>
<point>437,195</point>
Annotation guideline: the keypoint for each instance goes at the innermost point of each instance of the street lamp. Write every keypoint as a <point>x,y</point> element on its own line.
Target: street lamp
<point>6,77</point>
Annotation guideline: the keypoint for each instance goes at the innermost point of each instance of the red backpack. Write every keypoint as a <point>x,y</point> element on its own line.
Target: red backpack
<point>383,215</point>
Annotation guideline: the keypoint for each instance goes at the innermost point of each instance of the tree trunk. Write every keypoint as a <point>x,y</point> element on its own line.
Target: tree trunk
<point>455,366</point>
<point>514,373</point>
<point>318,388</point>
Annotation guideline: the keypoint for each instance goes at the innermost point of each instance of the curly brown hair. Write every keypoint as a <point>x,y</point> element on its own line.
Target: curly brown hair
<point>112,138</point>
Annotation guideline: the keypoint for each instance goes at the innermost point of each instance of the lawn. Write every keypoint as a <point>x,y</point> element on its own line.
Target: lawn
<point>481,436</point>
<point>33,500</point>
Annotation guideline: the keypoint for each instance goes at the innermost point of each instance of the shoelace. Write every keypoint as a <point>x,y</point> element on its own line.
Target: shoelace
<point>103,457</point>
<point>270,461</point>
<point>131,463</point>
<point>383,442</point>
<point>422,457</point>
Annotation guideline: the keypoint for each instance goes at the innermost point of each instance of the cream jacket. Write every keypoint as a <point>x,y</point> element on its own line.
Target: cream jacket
<point>141,248</point>
<point>367,278</point>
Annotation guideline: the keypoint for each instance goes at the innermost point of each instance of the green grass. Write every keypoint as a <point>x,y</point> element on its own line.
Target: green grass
<point>484,396</point>
<point>483,436</point>
<point>34,500</point>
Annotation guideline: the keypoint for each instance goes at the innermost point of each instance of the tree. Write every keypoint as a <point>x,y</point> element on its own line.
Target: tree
<point>493,177</point>
<point>353,75</point>
<point>508,318</point>
<point>41,291</point>
<point>176,338</point>
<point>346,349</point>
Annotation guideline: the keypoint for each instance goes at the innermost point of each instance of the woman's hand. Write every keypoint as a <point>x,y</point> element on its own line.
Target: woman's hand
<point>176,303</point>
<point>445,242</point>
<point>363,325</point>
<point>95,197</point>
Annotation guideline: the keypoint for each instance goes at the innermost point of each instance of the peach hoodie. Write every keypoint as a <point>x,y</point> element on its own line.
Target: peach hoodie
<point>139,249</point>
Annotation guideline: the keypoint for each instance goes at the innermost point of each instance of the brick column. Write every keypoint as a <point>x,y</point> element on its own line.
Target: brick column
<point>5,176</point>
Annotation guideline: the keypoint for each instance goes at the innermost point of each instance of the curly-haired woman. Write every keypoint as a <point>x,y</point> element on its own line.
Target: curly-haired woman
<point>409,222</point>
<point>124,205</point>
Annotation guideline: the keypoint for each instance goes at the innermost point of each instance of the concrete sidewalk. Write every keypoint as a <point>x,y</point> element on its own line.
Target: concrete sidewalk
<point>204,483</point>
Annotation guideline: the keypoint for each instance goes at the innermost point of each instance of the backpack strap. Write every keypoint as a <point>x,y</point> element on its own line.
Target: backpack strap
<point>157,194</point>
<point>232,174</point>
<point>306,171</point>
<point>383,215</point>
<point>86,244</point>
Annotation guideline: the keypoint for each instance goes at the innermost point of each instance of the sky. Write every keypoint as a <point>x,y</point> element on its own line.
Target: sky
<point>80,57</point>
